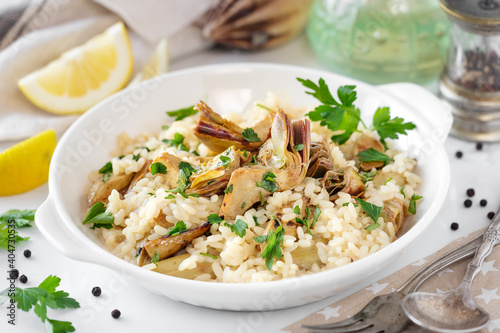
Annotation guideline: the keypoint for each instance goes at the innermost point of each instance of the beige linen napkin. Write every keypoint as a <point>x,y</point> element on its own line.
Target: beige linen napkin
<point>485,290</point>
<point>35,32</point>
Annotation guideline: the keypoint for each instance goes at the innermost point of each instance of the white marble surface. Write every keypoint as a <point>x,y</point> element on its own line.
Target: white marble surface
<point>144,311</point>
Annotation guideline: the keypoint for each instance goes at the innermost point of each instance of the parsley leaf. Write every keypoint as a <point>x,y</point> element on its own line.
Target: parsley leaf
<point>98,216</point>
<point>262,200</point>
<point>274,240</point>
<point>177,142</point>
<point>373,155</point>
<point>156,258</point>
<point>249,135</point>
<point>182,113</point>
<point>260,239</point>
<point>343,116</point>
<point>269,182</point>
<point>107,168</point>
<point>185,171</point>
<point>296,210</point>
<point>412,207</point>
<point>170,196</point>
<point>402,191</point>
<point>136,157</point>
<point>387,127</point>
<point>22,218</point>
<point>229,189</point>
<point>225,160</point>
<point>372,210</point>
<point>299,147</point>
<point>238,227</point>
<point>214,218</point>
<point>317,213</point>
<point>368,175</point>
<point>372,226</point>
<point>4,237</point>
<point>158,167</point>
<point>177,228</point>
<point>254,160</point>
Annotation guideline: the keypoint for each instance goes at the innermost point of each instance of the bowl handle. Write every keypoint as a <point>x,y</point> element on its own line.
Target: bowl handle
<point>47,220</point>
<point>436,112</point>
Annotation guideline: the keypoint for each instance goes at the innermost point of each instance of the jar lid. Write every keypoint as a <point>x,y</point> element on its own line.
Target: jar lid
<point>476,14</point>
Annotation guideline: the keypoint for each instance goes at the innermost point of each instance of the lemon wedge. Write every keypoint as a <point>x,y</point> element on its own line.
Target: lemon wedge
<point>156,65</point>
<point>82,76</point>
<point>25,165</point>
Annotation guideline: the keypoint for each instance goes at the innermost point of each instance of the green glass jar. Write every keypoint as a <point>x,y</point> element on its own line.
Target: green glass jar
<point>380,41</point>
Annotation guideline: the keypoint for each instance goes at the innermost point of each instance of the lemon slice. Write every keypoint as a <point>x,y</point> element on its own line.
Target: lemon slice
<point>157,64</point>
<point>25,165</point>
<point>82,76</point>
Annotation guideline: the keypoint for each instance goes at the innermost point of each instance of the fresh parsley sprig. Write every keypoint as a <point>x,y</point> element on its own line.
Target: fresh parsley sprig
<point>22,218</point>
<point>342,115</point>
<point>43,296</point>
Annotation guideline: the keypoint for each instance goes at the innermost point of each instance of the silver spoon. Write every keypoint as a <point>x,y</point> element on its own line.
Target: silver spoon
<point>455,310</point>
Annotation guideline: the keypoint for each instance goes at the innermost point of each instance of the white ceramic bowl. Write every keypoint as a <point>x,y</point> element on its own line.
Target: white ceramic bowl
<point>87,145</point>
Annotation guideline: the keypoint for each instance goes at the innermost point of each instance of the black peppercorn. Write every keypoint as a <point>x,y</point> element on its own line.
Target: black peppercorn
<point>479,146</point>
<point>115,313</point>
<point>14,273</point>
<point>96,291</point>
<point>27,253</point>
<point>483,203</point>
<point>454,226</point>
<point>470,192</point>
<point>467,203</point>
<point>23,279</point>
<point>459,154</point>
<point>491,215</point>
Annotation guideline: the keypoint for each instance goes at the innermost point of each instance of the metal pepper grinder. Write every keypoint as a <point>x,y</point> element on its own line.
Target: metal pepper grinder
<point>470,81</point>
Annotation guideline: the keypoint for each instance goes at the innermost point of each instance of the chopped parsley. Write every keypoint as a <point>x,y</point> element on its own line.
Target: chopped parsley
<point>269,182</point>
<point>182,113</point>
<point>412,208</point>
<point>214,219</point>
<point>225,160</point>
<point>177,228</point>
<point>296,210</point>
<point>243,205</point>
<point>98,217</point>
<point>106,171</point>
<point>136,157</point>
<point>299,147</point>
<point>156,258</point>
<point>402,191</point>
<point>170,196</point>
<point>177,142</point>
<point>263,107</point>
<point>208,255</point>
<point>249,135</point>
<point>144,147</point>
<point>368,175</point>
<point>274,239</point>
<point>185,171</point>
<point>262,200</point>
<point>254,160</point>
<point>373,155</point>
<point>165,127</point>
<point>373,212</point>
<point>41,297</point>
<point>388,180</point>
<point>244,153</point>
<point>317,213</point>
<point>158,167</point>
<point>238,227</point>
<point>229,189</point>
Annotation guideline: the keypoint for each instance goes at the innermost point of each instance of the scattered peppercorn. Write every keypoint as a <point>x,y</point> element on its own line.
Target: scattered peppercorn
<point>454,226</point>
<point>479,146</point>
<point>483,203</point>
<point>27,253</point>
<point>23,279</point>
<point>14,273</point>
<point>96,291</point>
<point>467,203</point>
<point>471,192</point>
<point>459,154</point>
<point>491,215</point>
<point>115,313</point>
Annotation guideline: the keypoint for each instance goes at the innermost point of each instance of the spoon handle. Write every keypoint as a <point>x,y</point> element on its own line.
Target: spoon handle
<point>490,238</point>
